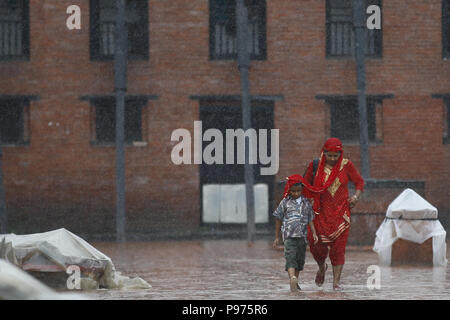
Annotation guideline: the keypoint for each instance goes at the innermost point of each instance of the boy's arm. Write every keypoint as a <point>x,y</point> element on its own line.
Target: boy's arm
<point>277,229</point>
<point>311,216</point>
<point>313,229</point>
<point>277,240</point>
<point>279,214</point>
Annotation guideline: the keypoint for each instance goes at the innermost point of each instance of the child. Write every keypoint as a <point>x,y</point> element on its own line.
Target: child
<point>293,215</point>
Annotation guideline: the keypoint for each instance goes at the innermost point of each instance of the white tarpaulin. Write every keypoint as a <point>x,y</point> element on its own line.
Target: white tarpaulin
<point>16,284</point>
<point>57,250</point>
<point>410,217</point>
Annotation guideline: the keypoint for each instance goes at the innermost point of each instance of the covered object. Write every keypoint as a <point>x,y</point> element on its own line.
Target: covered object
<point>412,218</point>
<point>64,252</point>
<point>16,284</point>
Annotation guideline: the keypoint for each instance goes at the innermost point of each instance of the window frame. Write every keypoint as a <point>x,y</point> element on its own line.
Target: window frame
<point>445,115</point>
<point>378,34</point>
<point>95,34</point>
<point>371,118</point>
<point>375,99</point>
<point>103,101</point>
<point>22,102</point>
<point>25,22</point>
<point>262,35</point>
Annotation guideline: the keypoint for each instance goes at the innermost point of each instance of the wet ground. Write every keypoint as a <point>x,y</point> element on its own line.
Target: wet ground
<point>231,269</point>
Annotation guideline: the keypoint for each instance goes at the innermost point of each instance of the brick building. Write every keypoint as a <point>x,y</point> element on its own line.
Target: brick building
<point>57,93</point>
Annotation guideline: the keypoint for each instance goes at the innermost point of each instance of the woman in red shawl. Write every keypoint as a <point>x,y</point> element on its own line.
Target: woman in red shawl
<point>331,203</point>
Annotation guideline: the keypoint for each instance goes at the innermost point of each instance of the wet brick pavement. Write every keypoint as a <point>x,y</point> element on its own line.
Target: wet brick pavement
<point>231,269</point>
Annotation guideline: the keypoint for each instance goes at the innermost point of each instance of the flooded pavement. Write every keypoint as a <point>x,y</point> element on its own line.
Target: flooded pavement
<point>231,269</point>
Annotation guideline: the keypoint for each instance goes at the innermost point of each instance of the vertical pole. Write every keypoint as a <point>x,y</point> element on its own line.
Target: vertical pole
<point>120,77</point>
<point>3,217</point>
<point>360,44</point>
<point>244,66</point>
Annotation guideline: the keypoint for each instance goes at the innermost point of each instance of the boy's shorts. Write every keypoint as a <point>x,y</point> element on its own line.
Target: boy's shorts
<point>294,252</point>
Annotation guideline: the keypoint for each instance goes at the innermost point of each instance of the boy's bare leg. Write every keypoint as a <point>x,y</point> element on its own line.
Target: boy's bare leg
<point>293,278</point>
<point>297,273</point>
<point>292,273</point>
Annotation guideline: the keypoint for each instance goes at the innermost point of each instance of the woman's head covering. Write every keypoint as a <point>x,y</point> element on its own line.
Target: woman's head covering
<point>333,145</point>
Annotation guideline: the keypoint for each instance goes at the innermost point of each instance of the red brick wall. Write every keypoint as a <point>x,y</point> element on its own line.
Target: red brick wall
<point>61,180</point>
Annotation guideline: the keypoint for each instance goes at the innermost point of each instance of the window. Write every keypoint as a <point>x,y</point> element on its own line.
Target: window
<point>14,115</point>
<point>446,136</point>
<point>104,124</point>
<point>340,37</point>
<point>222,29</point>
<point>446,28</point>
<point>14,30</point>
<point>102,17</point>
<point>344,119</point>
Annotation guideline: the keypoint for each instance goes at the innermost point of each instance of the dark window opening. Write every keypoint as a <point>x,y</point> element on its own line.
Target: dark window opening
<point>344,117</point>
<point>446,136</point>
<point>105,121</point>
<point>222,29</point>
<point>103,15</point>
<point>14,29</point>
<point>340,36</point>
<point>223,115</point>
<point>446,28</point>
<point>13,118</point>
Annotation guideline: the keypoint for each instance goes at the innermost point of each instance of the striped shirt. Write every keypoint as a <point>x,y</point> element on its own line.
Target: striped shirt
<point>296,214</point>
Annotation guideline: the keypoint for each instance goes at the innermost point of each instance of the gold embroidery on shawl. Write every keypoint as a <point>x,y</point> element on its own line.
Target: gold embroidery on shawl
<point>328,239</point>
<point>327,173</point>
<point>334,187</point>
<point>337,183</point>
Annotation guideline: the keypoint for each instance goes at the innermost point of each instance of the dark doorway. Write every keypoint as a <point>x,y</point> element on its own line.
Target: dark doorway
<point>223,185</point>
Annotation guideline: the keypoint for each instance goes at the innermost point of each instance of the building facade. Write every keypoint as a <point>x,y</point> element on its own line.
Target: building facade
<point>57,116</point>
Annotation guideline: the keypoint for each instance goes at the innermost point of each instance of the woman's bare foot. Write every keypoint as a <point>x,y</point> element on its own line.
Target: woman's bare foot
<point>337,287</point>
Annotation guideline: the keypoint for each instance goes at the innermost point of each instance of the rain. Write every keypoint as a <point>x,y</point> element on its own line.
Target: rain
<point>110,191</point>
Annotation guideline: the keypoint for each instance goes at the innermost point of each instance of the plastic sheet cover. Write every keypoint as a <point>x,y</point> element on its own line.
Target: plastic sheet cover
<point>412,218</point>
<point>56,250</point>
<point>16,284</point>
